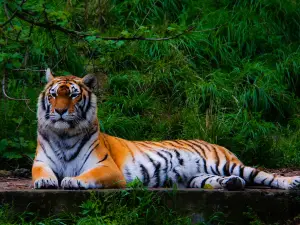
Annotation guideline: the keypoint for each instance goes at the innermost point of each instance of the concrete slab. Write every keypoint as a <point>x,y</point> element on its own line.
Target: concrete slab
<point>269,204</point>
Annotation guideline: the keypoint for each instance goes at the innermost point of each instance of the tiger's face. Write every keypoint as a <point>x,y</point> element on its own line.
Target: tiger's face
<point>67,102</point>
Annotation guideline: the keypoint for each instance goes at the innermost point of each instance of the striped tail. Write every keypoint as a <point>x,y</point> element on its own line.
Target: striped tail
<point>259,177</point>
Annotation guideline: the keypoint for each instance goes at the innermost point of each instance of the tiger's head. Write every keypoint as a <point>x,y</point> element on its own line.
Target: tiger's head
<point>67,103</point>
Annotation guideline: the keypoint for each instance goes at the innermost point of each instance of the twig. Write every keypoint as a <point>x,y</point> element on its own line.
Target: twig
<point>7,15</point>
<point>57,63</point>
<point>27,104</point>
<point>26,69</point>
<point>13,15</point>
<point>11,98</point>
<point>4,93</point>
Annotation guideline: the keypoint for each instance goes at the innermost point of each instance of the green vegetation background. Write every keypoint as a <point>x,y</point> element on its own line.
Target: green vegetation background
<point>232,80</point>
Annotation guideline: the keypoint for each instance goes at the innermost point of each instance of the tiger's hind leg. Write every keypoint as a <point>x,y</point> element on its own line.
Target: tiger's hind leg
<point>210,181</point>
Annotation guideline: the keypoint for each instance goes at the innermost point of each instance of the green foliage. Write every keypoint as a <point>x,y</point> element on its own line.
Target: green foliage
<point>235,85</point>
<point>133,206</point>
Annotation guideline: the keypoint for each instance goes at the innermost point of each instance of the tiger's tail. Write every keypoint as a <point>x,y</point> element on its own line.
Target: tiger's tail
<point>258,177</point>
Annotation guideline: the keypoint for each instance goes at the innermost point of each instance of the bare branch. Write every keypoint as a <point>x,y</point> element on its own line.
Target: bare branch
<point>11,98</point>
<point>13,15</point>
<point>4,92</point>
<point>7,15</point>
<point>82,35</point>
<point>27,104</point>
<point>26,69</point>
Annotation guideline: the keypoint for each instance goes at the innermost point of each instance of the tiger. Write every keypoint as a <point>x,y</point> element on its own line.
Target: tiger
<point>72,153</point>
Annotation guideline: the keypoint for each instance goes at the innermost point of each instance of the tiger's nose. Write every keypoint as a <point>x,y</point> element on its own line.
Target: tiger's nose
<point>63,90</point>
<point>61,111</point>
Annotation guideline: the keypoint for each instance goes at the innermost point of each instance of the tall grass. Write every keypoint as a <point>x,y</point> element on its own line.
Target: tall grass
<point>236,85</point>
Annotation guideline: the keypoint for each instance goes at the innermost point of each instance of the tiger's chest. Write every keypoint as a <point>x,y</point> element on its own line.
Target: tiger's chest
<point>67,162</point>
<point>67,158</point>
<point>64,166</point>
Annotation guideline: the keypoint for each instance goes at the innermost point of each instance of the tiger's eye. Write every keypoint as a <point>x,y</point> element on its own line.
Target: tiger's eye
<point>74,95</point>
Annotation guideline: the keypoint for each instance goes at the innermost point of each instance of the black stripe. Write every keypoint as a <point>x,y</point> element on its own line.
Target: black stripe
<point>204,165</point>
<point>82,143</point>
<point>178,177</point>
<point>146,175</point>
<point>88,155</point>
<point>152,143</point>
<point>203,182</point>
<point>217,160</point>
<point>81,105</point>
<point>156,172</point>
<point>253,174</point>
<point>85,100</point>
<point>180,160</point>
<point>170,143</point>
<point>200,147</point>
<point>232,168</point>
<point>145,145</point>
<point>57,176</point>
<point>47,108</point>
<point>180,145</point>
<point>93,143</point>
<point>166,167</point>
<point>206,145</point>
<point>43,101</point>
<point>105,158</point>
<point>213,171</point>
<point>127,173</point>
<point>171,156</point>
<point>271,181</point>
<point>190,181</point>
<point>43,148</point>
<point>129,149</point>
<point>192,146</point>
<point>89,102</point>
<point>263,181</point>
<point>241,172</point>
<point>226,169</point>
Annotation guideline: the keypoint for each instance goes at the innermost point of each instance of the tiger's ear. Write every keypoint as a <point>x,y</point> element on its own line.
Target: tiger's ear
<point>90,81</point>
<point>49,75</point>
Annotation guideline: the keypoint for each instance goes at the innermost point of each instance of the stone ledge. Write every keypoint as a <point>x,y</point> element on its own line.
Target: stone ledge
<point>269,204</point>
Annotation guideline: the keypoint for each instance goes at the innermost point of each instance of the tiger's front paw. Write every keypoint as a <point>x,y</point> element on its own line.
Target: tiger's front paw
<point>73,183</point>
<point>46,183</point>
<point>76,183</point>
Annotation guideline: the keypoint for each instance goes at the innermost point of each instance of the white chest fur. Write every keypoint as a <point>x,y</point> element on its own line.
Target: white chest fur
<point>67,156</point>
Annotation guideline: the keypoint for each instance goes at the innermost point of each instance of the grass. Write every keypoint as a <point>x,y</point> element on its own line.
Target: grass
<point>236,85</point>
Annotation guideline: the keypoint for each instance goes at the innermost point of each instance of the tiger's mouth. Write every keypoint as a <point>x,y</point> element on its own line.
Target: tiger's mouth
<point>62,118</point>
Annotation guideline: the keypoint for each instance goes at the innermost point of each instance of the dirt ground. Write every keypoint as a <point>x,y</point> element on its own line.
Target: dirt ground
<point>18,183</point>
